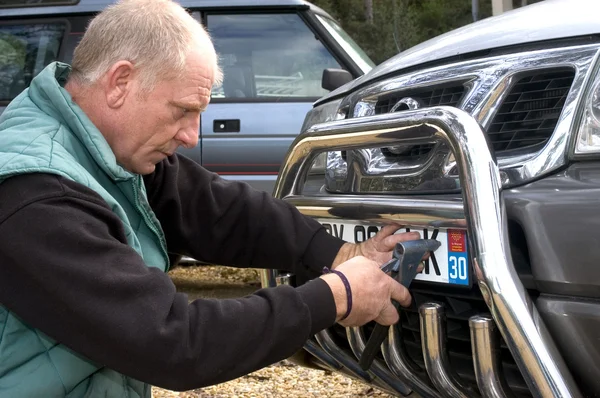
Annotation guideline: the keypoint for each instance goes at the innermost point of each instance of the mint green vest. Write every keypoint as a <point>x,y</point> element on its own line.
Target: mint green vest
<point>44,131</point>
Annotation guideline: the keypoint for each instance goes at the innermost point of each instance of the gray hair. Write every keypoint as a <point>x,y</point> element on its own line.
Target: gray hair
<point>155,35</point>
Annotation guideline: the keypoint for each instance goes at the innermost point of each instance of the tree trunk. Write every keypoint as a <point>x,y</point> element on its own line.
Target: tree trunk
<point>369,11</point>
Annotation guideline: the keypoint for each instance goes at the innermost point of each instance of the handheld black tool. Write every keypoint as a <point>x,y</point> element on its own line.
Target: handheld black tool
<point>403,267</point>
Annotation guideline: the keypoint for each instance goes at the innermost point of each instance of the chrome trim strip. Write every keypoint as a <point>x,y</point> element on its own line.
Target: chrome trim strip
<point>420,211</point>
<point>517,318</point>
<point>394,354</point>
<point>486,358</point>
<point>356,338</point>
<point>328,344</point>
<point>435,353</point>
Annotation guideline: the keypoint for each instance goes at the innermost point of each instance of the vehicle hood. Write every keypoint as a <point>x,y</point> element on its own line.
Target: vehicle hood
<point>547,20</point>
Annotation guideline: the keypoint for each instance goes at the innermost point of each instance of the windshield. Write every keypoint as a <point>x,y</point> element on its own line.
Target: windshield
<point>352,49</point>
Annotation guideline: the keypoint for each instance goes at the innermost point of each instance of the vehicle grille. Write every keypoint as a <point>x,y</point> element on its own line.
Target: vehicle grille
<point>407,151</point>
<point>460,304</point>
<point>528,116</point>
<point>449,95</point>
<point>525,120</point>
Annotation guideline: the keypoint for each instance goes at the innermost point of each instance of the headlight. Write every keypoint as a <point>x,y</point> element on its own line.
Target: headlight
<point>320,114</point>
<point>323,113</point>
<point>588,140</point>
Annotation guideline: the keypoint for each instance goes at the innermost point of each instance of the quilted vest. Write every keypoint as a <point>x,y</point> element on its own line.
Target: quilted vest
<point>44,131</point>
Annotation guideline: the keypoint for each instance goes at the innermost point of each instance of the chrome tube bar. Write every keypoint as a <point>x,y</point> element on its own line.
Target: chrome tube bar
<point>310,346</point>
<point>356,338</point>
<point>328,344</point>
<point>517,318</point>
<point>421,211</point>
<point>283,279</point>
<point>486,358</point>
<point>402,366</point>
<point>315,350</point>
<point>435,353</point>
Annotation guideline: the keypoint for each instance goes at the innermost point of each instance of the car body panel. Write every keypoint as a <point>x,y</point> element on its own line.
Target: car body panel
<point>577,323</point>
<point>266,132</point>
<point>563,255</point>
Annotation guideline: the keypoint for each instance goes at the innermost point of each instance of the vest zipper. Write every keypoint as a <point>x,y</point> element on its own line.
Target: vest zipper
<point>150,222</point>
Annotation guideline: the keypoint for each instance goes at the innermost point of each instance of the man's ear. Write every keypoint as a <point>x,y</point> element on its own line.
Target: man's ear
<point>118,83</point>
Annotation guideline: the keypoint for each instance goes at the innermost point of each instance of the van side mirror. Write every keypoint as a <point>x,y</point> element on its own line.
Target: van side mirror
<point>334,78</point>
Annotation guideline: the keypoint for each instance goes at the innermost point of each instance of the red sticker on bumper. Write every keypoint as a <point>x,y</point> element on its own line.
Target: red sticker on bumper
<point>456,241</point>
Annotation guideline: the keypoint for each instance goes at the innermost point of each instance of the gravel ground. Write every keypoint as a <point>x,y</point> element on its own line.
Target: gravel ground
<point>283,379</point>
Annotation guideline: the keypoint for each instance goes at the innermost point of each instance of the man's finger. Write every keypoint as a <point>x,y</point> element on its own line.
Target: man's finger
<point>388,316</point>
<point>389,229</point>
<point>401,237</point>
<point>401,294</point>
<point>386,232</point>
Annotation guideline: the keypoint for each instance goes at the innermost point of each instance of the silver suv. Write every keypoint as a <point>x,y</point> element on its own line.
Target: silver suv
<point>487,139</point>
<point>278,57</point>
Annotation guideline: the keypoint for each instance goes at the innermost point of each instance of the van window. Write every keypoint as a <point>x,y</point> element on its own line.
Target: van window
<point>268,57</point>
<point>35,3</point>
<point>24,51</point>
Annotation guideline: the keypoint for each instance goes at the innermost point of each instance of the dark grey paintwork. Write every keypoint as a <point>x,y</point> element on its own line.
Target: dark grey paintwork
<point>560,216</point>
<point>546,20</point>
<point>575,323</point>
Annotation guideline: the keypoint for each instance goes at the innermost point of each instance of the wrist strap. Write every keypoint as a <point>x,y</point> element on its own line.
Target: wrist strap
<point>348,290</point>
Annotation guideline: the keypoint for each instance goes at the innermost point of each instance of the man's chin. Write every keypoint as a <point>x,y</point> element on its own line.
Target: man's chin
<point>141,169</point>
<point>143,165</point>
<point>148,169</point>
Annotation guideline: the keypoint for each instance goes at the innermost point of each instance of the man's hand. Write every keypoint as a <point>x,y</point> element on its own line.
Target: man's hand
<point>378,248</point>
<point>372,292</point>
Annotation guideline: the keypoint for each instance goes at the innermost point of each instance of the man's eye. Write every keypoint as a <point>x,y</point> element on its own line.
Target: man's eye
<point>182,113</point>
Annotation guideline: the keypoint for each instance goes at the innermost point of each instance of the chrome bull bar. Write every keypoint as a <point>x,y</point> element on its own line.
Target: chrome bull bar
<point>437,363</point>
<point>482,212</point>
<point>488,369</point>
<point>336,359</point>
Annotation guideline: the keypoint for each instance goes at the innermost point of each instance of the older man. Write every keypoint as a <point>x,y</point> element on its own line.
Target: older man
<point>86,308</point>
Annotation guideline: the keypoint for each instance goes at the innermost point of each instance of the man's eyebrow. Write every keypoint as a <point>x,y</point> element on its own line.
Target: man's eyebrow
<point>192,106</point>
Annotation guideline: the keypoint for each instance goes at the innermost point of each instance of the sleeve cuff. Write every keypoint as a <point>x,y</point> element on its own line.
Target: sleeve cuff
<point>321,251</point>
<point>318,297</point>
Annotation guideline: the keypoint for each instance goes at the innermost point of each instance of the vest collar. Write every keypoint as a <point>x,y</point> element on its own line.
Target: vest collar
<point>47,92</point>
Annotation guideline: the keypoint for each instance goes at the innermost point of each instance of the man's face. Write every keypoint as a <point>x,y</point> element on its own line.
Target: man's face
<point>153,125</point>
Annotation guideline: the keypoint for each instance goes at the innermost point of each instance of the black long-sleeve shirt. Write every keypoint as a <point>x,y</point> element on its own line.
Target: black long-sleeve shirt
<point>66,269</point>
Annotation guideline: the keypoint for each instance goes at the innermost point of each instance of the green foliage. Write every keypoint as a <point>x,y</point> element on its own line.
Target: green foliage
<point>12,50</point>
<point>400,24</point>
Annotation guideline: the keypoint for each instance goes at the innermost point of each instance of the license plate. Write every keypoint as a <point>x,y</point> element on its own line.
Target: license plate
<point>449,264</point>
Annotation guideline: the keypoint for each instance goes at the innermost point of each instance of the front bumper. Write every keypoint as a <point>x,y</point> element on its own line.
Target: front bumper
<point>483,215</point>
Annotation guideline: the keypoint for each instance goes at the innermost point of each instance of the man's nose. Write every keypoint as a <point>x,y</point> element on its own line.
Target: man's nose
<point>188,135</point>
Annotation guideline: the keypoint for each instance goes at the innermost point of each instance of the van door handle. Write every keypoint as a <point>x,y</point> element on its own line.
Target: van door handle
<point>226,126</point>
